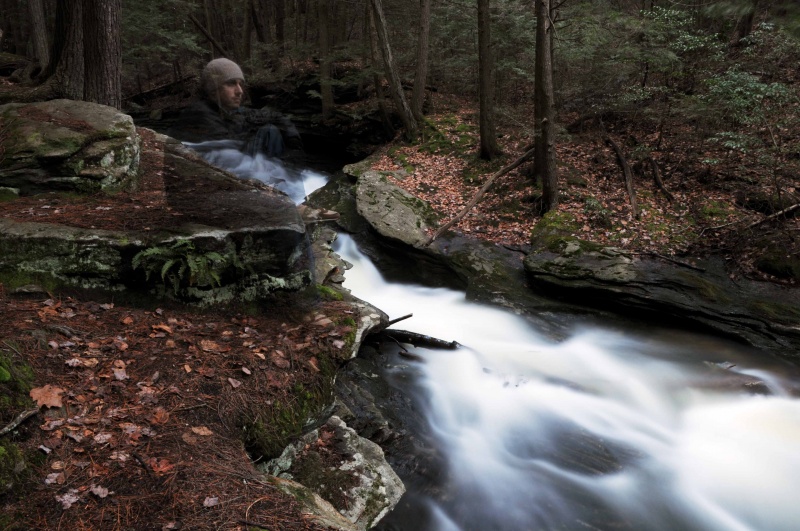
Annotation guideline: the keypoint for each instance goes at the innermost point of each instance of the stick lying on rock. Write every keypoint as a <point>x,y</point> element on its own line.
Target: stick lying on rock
<point>419,340</point>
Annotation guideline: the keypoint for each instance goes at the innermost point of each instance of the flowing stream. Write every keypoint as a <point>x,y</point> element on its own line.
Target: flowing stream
<point>606,430</point>
<point>602,431</point>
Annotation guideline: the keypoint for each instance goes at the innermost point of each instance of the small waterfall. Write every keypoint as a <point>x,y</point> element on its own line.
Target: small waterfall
<point>227,154</point>
<point>603,431</point>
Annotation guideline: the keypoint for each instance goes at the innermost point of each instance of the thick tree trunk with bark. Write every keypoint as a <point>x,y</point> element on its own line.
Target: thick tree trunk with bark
<point>544,130</point>
<point>421,75</point>
<point>39,32</point>
<point>260,23</point>
<point>488,131</point>
<point>102,52</point>
<point>67,57</point>
<point>395,84</point>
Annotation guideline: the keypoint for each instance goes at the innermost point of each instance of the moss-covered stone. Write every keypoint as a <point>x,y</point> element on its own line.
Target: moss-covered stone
<point>777,263</point>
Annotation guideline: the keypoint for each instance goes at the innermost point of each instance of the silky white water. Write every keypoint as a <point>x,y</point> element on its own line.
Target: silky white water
<point>602,431</point>
<point>297,183</point>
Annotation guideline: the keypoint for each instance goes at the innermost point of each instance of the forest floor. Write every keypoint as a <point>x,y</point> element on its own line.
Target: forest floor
<point>141,426</point>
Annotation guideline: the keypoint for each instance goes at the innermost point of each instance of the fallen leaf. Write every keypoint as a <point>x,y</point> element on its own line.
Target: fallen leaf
<point>188,438</point>
<point>162,327</point>
<point>210,501</point>
<point>279,360</point>
<point>102,438</point>
<point>100,492</point>
<point>338,343</point>
<point>187,368</point>
<point>127,320</point>
<point>119,344</point>
<point>246,371</point>
<point>209,346</point>
<point>107,306</point>
<point>120,374</point>
<point>66,500</point>
<point>55,477</point>
<point>312,362</point>
<point>49,396</point>
<point>160,416</point>
<point>160,465</point>
<point>234,382</point>
<point>202,430</point>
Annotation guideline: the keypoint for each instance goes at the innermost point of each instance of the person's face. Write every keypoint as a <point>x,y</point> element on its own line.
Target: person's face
<point>230,94</point>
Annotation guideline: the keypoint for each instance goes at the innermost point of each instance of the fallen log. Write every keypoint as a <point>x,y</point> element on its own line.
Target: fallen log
<point>526,156</point>
<point>419,340</point>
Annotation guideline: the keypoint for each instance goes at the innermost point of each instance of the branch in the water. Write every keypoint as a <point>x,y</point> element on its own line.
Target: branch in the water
<point>419,340</point>
<point>394,321</point>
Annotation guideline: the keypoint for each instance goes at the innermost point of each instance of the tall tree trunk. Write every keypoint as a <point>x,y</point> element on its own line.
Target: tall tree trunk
<point>326,91</point>
<point>102,52</point>
<point>376,78</point>
<point>261,22</point>
<point>544,130</point>
<point>68,72</point>
<point>39,30</point>
<point>488,131</point>
<point>421,75</point>
<point>395,84</point>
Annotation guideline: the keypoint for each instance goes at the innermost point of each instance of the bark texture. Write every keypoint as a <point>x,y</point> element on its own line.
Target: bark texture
<point>102,52</point>
<point>544,130</point>
<point>421,75</point>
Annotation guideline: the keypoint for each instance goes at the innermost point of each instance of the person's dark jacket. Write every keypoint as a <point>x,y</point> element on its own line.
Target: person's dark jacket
<point>204,120</point>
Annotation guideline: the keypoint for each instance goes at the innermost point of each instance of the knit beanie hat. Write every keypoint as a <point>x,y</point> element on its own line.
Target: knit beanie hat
<point>217,72</point>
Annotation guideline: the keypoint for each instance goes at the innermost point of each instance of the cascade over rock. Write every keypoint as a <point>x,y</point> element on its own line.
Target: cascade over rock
<point>565,274</point>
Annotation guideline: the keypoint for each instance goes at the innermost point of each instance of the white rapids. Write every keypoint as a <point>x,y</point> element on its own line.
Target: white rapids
<point>227,154</point>
<point>522,421</point>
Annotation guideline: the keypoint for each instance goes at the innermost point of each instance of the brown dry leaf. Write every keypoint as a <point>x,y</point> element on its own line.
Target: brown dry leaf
<point>127,320</point>
<point>187,368</point>
<point>160,416</point>
<point>246,371</point>
<point>202,430</point>
<point>234,382</point>
<point>279,360</point>
<point>260,355</point>
<point>209,346</point>
<point>162,327</point>
<point>48,395</point>
<point>208,372</point>
<point>188,438</point>
<point>312,362</point>
<point>119,344</point>
<point>160,465</point>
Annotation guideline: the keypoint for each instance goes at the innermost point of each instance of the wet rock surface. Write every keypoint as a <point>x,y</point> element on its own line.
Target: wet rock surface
<point>578,280</point>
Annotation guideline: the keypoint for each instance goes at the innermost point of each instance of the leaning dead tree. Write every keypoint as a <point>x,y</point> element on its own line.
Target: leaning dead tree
<point>478,196</point>
<point>626,170</point>
<point>657,179</point>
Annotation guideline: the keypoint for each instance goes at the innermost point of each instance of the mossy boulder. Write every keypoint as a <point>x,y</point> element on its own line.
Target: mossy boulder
<point>391,211</point>
<point>360,485</point>
<point>67,145</point>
